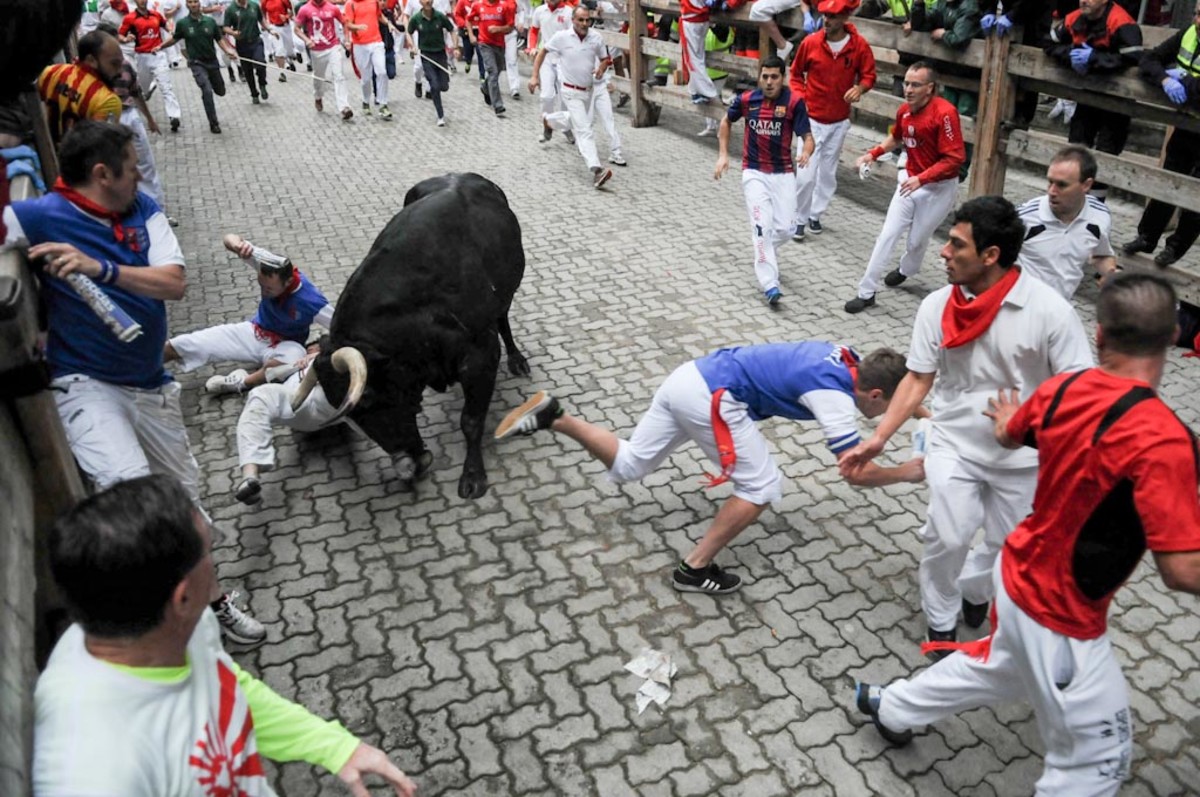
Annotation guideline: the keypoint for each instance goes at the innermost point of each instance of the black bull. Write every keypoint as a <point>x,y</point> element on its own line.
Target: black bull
<point>424,308</point>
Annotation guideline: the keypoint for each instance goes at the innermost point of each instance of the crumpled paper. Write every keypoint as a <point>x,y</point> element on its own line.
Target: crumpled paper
<point>657,669</point>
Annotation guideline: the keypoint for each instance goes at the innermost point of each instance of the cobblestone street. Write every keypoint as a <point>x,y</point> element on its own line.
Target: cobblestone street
<point>482,643</point>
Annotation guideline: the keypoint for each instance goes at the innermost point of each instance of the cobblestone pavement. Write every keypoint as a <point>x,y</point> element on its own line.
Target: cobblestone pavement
<point>481,643</point>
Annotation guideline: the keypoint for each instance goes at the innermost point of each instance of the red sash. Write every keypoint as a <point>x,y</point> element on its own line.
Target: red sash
<point>965,319</point>
<point>979,649</point>
<point>87,205</point>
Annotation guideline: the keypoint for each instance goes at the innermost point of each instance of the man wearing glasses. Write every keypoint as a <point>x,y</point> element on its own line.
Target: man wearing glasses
<point>928,127</point>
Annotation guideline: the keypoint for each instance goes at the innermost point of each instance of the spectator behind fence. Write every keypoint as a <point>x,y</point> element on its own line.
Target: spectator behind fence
<point>1098,38</point>
<point>1173,66</point>
<point>138,698</point>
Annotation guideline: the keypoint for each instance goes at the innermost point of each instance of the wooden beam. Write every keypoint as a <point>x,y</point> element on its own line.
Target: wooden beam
<point>996,101</point>
<point>677,97</point>
<point>644,113</point>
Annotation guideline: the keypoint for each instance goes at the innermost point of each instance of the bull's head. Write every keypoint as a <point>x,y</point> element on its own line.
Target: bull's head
<point>346,360</point>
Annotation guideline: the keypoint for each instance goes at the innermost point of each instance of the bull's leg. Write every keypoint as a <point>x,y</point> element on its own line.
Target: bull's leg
<point>517,364</point>
<point>478,376</point>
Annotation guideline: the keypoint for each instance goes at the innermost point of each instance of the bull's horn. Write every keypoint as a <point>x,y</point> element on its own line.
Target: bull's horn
<point>350,359</point>
<point>306,386</point>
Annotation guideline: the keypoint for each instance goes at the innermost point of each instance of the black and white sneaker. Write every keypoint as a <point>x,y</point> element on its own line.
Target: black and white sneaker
<point>237,624</point>
<point>868,696</point>
<point>712,580</point>
<point>249,492</point>
<point>537,413</point>
<point>814,226</point>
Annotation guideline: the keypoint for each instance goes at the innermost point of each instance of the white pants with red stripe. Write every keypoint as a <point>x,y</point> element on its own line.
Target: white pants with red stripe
<point>681,411</point>
<point>817,181</point>
<point>238,343</point>
<point>771,203</point>
<point>1079,697</point>
<point>270,405</point>
<point>964,496</point>
<point>691,43</point>
<point>918,214</point>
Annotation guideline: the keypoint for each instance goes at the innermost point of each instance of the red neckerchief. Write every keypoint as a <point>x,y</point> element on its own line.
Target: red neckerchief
<point>88,206</point>
<point>851,363</point>
<point>292,286</point>
<point>725,449</point>
<point>980,649</point>
<point>1195,352</point>
<point>120,6</point>
<point>965,319</point>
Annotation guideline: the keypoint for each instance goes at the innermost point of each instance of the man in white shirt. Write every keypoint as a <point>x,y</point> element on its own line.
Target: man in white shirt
<point>1067,229</point>
<point>582,61</point>
<point>992,328</point>
<point>548,19</point>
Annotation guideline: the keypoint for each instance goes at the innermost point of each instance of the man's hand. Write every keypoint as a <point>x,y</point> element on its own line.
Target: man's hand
<point>1001,410</point>
<point>63,259</point>
<point>802,159</point>
<point>860,455</point>
<point>986,23</point>
<point>937,34</point>
<point>909,186</point>
<point>854,94</point>
<point>534,84</point>
<point>1080,58</point>
<point>600,70</point>
<point>914,470</point>
<point>906,28</point>
<point>1175,91</point>
<point>367,760</point>
<point>152,126</point>
<point>722,167</point>
<point>866,158</point>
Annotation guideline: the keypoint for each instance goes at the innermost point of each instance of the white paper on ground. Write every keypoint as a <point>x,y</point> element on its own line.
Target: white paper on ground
<point>657,668</point>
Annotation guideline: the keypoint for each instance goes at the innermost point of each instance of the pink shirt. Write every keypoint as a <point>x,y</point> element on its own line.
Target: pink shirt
<point>317,22</point>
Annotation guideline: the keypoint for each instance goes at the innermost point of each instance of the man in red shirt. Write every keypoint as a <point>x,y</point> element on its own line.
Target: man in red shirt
<point>491,20</point>
<point>1118,474</point>
<point>833,68</point>
<point>279,17</point>
<point>928,127</point>
<point>145,29</point>
<point>316,25</point>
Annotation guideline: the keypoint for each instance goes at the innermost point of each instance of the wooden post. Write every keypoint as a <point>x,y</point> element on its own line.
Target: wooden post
<point>995,104</point>
<point>42,140</point>
<point>645,113</point>
<point>765,48</point>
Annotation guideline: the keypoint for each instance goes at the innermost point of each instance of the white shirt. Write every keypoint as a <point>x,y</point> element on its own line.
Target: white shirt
<point>1059,254</point>
<point>549,21</point>
<point>577,58</point>
<point>1035,335</point>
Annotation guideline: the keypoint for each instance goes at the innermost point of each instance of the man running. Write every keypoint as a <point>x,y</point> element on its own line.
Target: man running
<point>490,22</point>
<point>316,25</point>
<point>715,402</point>
<point>431,27</point>
<point>198,33</point>
<point>145,29</point>
<point>362,19</point>
<point>548,19</point>
<point>244,21</point>
<point>773,116</point>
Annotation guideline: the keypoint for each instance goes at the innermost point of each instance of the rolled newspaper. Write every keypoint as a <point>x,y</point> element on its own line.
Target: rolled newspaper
<point>263,257</point>
<point>117,320</point>
<point>920,438</point>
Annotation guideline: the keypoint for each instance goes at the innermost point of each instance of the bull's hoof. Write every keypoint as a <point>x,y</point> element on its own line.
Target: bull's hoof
<point>472,485</point>
<point>409,469</point>
<point>518,365</point>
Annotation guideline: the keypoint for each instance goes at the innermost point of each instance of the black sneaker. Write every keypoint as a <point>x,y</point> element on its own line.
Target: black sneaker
<point>858,304</point>
<point>249,492</point>
<point>417,91</point>
<point>262,88</point>
<point>814,226</point>
<point>214,128</point>
<point>1139,244</point>
<point>1166,257</point>
<point>940,636</point>
<point>538,412</point>
<point>974,613</point>
<point>255,100</point>
<point>711,580</point>
<point>798,235</point>
<point>569,136</point>
<point>174,124</point>
<point>894,278</point>
<point>867,697</point>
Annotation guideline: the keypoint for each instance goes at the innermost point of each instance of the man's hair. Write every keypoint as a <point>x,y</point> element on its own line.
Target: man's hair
<point>772,62</point>
<point>1136,313</point>
<point>994,222</point>
<point>1081,156</point>
<point>119,555</point>
<point>91,43</point>
<point>928,67</point>
<point>882,369</point>
<point>88,143</point>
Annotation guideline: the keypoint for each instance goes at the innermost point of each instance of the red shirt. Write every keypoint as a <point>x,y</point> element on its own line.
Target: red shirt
<point>1110,484</point>
<point>823,78</point>
<point>363,12</point>
<point>933,140</point>
<point>484,14</point>
<point>317,22</point>
<point>277,11</point>
<point>462,10</point>
<point>147,29</point>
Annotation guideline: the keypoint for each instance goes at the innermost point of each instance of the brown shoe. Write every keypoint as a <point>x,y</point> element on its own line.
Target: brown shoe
<point>600,177</point>
<point>347,114</point>
<point>319,105</point>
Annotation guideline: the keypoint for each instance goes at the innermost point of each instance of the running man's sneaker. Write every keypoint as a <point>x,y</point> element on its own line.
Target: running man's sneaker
<point>547,134</point>
<point>233,382</point>
<point>712,580</point>
<point>537,413</point>
<point>772,295</point>
<point>319,105</point>
<point>814,226</point>
<point>249,492</point>
<point>174,124</point>
<point>262,88</point>
<point>236,622</point>
<point>385,113</point>
<point>867,697</point>
<point>441,122</point>
<point>366,109</point>
<point>894,278</point>
<point>172,221</point>
<point>858,304</point>
<point>617,160</point>
<point>569,135</point>
<point>417,90</point>
<point>283,77</point>
<point>347,114</point>
<point>600,177</point>
<point>798,235</point>
<point>214,128</point>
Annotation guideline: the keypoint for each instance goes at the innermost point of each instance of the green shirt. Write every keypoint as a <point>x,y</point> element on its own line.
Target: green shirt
<point>246,21</point>
<point>198,36</point>
<point>429,31</point>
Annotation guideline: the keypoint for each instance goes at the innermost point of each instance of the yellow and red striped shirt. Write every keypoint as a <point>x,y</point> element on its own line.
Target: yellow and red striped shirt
<point>73,92</point>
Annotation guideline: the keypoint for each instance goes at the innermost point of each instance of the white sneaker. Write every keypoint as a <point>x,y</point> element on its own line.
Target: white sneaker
<point>710,128</point>
<point>234,382</point>
<point>616,159</point>
<point>236,622</point>
<point>441,122</point>
<point>785,51</point>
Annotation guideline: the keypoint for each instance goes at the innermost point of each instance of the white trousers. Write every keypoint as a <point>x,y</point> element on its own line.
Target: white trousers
<point>1079,697</point>
<point>816,182</point>
<point>579,106</point>
<point>330,64</point>
<point>285,45</point>
<point>119,433</point>
<point>549,91</point>
<point>918,214</point>
<point>681,411</point>
<point>147,170</point>
<point>691,43</point>
<point>152,67</point>
<point>964,496</point>
<point>771,204</point>
<point>510,61</point>
<point>372,67</point>
<point>762,10</point>
<point>268,406</point>
<point>238,343</point>
<point>602,107</point>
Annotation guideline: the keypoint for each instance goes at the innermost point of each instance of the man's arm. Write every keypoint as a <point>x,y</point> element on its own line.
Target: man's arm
<point>913,389</point>
<point>966,27</point>
<point>1126,51</point>
<point>952,152</point>
<point>722,148</point>
<point>872,475</point>
<point>159,282</point>
<point>1001,410</point>
<point>885,146</point>
<point>1154,63</point>
<point>1180,571</point>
